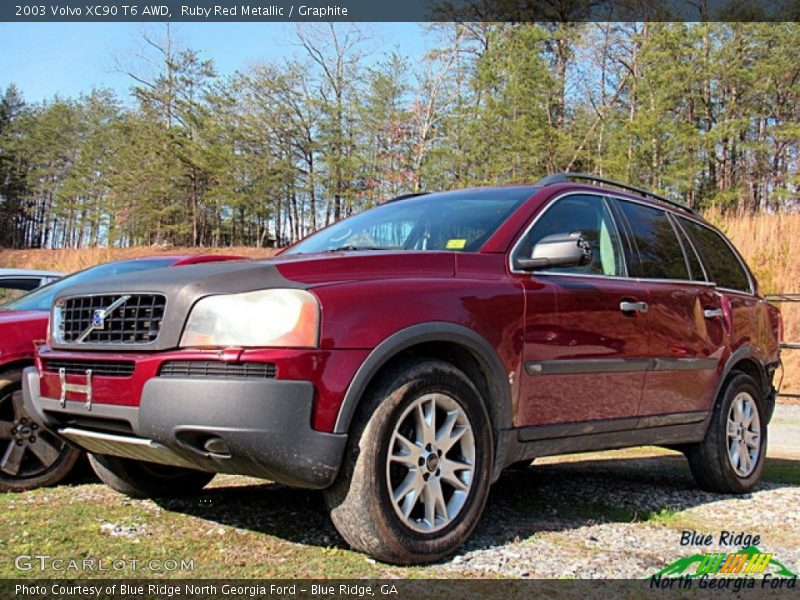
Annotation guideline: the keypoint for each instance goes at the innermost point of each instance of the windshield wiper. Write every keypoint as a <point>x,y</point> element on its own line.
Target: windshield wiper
<point>354,247</point>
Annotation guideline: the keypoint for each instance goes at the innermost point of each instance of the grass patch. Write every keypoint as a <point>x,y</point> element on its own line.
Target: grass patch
<point>781,470</point>
<point>665,516</point>
<point>91,522</point>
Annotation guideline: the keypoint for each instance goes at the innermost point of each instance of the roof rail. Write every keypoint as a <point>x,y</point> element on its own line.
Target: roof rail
<point>406,196</point>
<point>568,177</point>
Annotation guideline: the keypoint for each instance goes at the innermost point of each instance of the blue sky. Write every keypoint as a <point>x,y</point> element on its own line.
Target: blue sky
<point>45,59</point>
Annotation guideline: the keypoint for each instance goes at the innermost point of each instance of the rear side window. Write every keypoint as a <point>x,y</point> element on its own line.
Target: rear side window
<point>723,266</point>
<point>13,288</point>
<point>659,253</point>
<point>22,283</point>
<point>695,268</point>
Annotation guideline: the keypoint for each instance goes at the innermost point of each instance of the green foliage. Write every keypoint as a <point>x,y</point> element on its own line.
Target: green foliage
<point>706,112</point>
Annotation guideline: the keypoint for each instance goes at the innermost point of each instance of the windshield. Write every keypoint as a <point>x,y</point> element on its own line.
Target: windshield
<point>457,221</point>
<point>42,298</point>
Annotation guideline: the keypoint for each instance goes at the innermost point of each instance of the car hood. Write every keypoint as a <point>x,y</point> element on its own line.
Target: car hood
<point>333,267</point>
<point>184,286</point>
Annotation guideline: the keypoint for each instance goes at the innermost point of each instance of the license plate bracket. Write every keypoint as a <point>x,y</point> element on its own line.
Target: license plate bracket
<point>77,388</point>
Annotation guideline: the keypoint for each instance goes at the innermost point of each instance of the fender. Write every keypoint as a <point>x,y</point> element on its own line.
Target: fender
<point>741,353</point>
<point>16,361</point>
<point>482,350</point>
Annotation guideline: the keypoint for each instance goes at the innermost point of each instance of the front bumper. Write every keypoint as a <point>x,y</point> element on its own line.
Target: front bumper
<point>260,428</point>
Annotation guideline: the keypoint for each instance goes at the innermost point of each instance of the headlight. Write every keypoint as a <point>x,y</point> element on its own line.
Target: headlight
<point>54,323</point>
<point>285,318</point>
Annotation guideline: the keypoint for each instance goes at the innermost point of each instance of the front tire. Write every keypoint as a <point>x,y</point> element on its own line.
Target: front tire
<point>139,479</point>
<point>731,457</point>
<point>30,457</point>
<point>418,465</point>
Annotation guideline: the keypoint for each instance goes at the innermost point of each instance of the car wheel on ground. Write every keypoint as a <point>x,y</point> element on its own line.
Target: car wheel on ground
<point>30,456</point>
<point>731,457</point>
<point>139,479</point>
<point>418,465</point>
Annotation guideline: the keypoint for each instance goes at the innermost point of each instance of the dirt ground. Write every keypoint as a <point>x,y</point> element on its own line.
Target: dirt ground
<point>614,514</point>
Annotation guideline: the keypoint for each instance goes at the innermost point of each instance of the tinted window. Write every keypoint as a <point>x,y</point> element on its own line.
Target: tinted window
<point>660,254</point>
<point>21,283</point>
<point>695,268</point>
<point>589,216</point>
<point>721,263</point>
<point>15,287</point>
<point>42,298</point>
<point>461,220</point>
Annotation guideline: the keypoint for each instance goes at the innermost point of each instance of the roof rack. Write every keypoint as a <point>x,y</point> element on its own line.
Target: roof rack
<point>568,177</point>
<point>406,196</point>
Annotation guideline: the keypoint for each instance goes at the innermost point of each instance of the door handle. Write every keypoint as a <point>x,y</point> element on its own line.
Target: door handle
<point>713,313</point>
<point>627,306</point>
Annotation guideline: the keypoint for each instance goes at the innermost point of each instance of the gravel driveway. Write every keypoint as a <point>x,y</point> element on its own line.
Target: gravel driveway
<point>621,514</point>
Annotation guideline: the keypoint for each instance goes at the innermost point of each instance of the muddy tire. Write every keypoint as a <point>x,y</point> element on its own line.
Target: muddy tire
<point>417,468</point>
<point>731,457</point>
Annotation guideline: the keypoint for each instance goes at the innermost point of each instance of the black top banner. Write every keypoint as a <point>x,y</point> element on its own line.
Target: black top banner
<point>395,11</point>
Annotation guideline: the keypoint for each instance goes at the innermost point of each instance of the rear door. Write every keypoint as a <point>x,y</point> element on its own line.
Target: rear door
<point>586,361</point>
<point>687,332</point>
<point>748,325</point>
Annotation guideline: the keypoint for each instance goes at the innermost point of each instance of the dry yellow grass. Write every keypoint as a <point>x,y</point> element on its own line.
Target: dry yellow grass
<point>73,260</point>
<point>769,243</point>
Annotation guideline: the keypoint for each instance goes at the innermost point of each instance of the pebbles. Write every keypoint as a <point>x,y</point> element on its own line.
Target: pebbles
<point>117,530</point>
<point>648,502</point>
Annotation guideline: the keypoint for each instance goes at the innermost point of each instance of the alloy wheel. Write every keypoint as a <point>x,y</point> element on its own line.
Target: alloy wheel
<point>26,450</point>
<point>431,463</point>
<point>744,434</point>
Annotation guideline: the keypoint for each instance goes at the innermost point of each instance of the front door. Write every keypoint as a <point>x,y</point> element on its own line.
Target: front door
<point>587,362</point>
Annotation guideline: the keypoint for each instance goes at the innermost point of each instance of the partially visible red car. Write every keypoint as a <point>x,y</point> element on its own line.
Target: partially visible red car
<point>46,460</point>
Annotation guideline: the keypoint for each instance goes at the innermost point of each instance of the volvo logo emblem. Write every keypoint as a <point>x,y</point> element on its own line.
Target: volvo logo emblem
<point>99,319</point>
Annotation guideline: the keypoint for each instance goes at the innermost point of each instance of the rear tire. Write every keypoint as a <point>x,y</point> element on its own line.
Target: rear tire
<point>731,457</point>
<point>30,457</point>
<point>139,479</point>
<point>417,468</point>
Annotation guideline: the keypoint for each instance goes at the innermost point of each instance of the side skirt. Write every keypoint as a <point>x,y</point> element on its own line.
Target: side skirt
<point>533,442</point>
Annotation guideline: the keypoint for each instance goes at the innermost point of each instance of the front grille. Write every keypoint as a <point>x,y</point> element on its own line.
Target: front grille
<point>211,368</point>
<point>132,319</point>
<point>106,368</point>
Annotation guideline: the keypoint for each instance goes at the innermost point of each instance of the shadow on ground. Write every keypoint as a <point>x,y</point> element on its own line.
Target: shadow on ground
<point>547,497</point>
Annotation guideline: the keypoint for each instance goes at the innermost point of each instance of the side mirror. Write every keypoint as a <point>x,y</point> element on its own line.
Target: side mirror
<point>560,250</point>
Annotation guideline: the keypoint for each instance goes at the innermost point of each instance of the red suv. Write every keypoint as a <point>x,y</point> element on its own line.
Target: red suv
<point>401,358</point>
